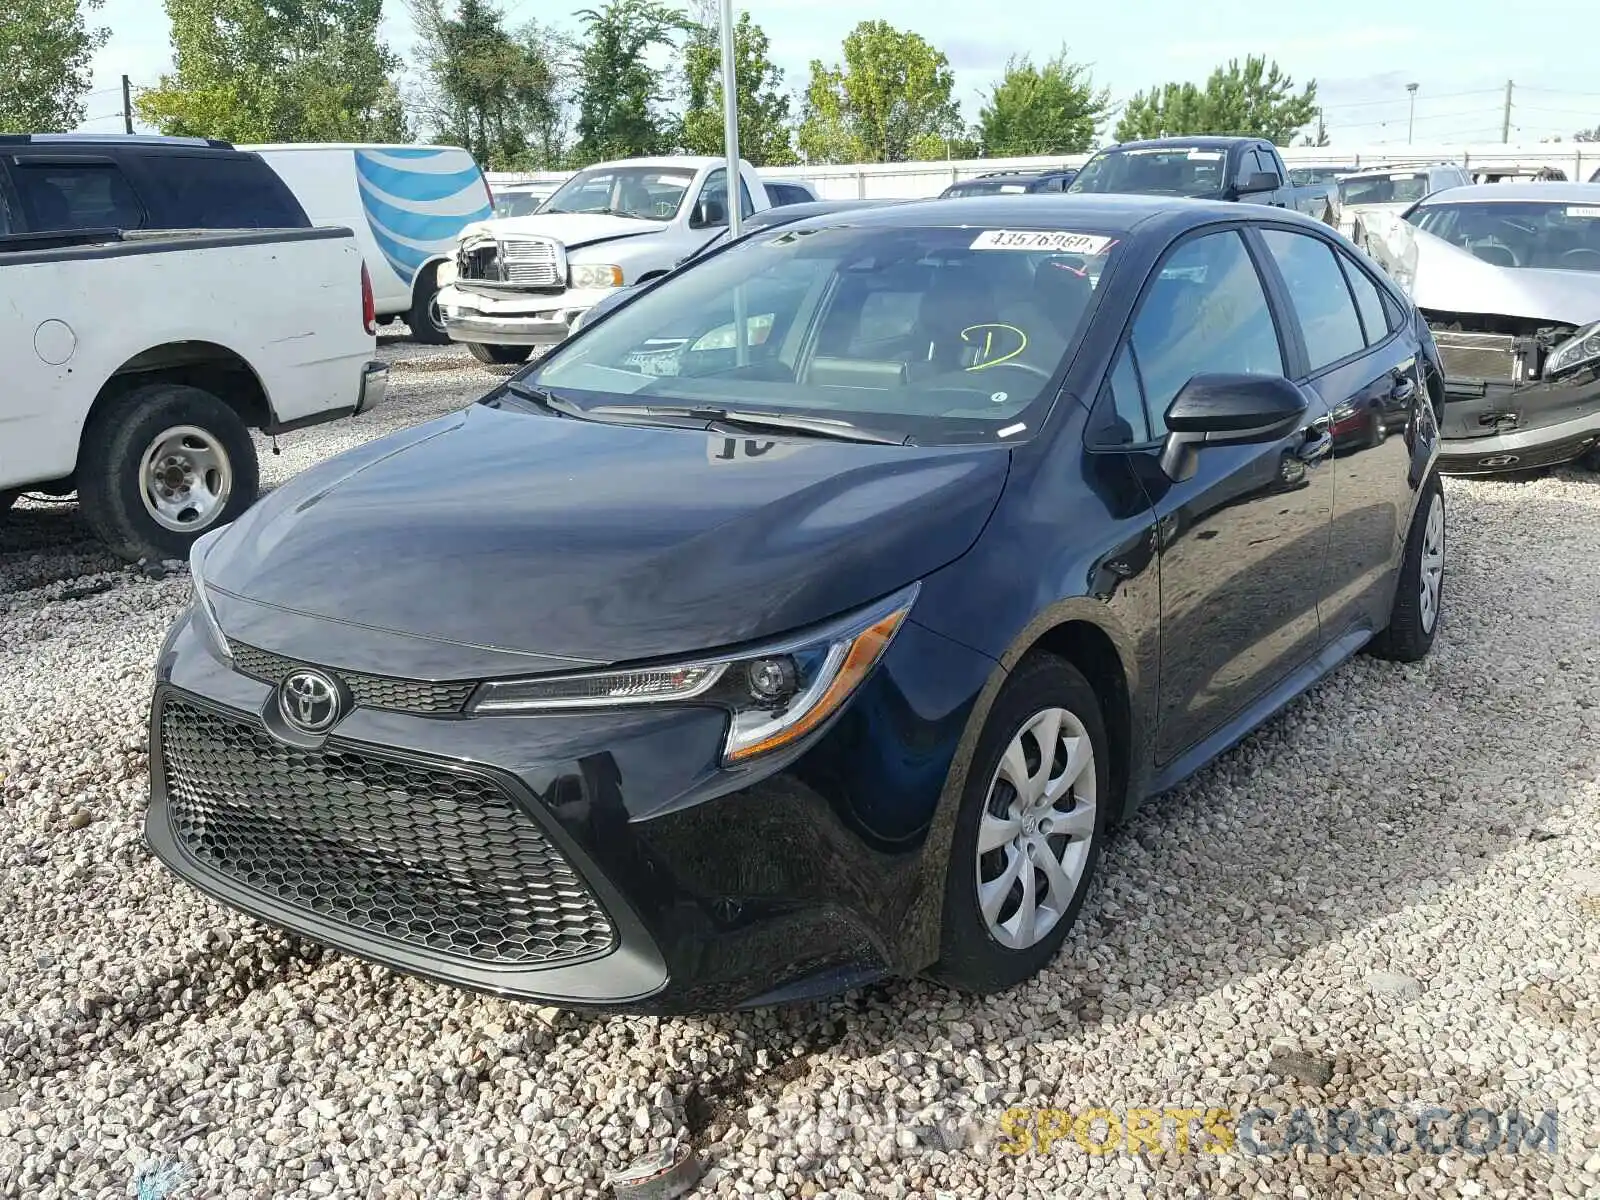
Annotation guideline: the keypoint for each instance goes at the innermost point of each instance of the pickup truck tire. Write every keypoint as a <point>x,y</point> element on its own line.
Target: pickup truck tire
<point>426,324</point>
<point>160,466</point>
<point>500,356</point>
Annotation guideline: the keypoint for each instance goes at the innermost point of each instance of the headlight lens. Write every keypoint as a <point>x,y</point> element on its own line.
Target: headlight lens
<point>202,601</point>
<point>775,695</point>
<point>1583,347</point>
<point>597,275</point>
<point>445,274</point>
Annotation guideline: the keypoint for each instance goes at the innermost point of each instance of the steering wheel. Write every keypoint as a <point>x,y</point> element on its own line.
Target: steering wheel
<point>1589,258</point>
<point>1016,365</point>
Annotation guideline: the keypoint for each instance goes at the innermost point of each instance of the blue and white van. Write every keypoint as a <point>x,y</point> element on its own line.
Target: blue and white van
<point>406,204</point>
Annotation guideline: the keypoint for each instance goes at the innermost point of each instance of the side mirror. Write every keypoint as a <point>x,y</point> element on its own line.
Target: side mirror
<point>708,213</point>
<point>1259,181</point>
<point>1218,409</point>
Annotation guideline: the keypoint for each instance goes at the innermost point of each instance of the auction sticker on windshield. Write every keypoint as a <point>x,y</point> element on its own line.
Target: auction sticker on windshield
<point>1583,210</point>
<point>1042,239</point>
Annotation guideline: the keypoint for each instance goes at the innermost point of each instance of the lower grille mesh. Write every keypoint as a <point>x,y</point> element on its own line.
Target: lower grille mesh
<point>431,858</point>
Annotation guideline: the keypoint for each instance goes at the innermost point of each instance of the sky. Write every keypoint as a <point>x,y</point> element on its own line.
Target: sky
<point>1460,53</point>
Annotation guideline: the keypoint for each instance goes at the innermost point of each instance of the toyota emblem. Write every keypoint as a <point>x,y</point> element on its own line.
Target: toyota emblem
<point>309,701</point>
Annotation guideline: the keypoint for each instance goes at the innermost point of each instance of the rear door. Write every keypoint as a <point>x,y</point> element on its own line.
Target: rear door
<point>1367,374</point>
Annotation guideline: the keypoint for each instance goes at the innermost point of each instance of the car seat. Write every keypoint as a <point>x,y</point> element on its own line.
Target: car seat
<point>956,299</point>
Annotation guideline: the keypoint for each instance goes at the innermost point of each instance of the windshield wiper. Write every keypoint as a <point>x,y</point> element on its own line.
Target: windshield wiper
<point>743,422</point>
<point>539,397</point>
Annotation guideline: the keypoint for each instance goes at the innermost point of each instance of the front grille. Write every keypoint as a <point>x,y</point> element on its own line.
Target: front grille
<point>530,262</point>
<point>369,691</point>
<point>432,858</point>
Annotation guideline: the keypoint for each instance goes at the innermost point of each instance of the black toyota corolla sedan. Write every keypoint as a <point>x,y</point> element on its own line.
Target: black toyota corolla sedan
<point>810,619</point>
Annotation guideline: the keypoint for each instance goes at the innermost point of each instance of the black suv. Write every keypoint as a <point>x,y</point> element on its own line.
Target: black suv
<point>53,182</point>
<point>998,182</point>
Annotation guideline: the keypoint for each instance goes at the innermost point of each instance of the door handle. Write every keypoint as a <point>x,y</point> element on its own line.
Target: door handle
<point>1404,388</point>
<point>1319,441</point>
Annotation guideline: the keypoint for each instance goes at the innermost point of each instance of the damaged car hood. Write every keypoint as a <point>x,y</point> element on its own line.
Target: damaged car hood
<point>1445,278</point>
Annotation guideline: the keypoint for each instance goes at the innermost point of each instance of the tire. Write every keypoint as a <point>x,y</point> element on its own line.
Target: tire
<point>426,326</point>
<point>1413,622</point>
<point>972,957</point>
<point>499,356</point>
<point>186,427</point>
<point>1590,461</point>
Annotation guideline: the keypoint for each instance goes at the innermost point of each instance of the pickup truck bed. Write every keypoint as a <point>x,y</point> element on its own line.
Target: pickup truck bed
<point>138,362</point>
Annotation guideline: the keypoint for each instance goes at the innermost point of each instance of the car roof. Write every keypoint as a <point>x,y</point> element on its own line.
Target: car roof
<point>1100,212</point>
<point>1205,141</point>
<point>1403,169</point>
<point>783,213</point>
<point>99,141</point>
<point>1554,192</point>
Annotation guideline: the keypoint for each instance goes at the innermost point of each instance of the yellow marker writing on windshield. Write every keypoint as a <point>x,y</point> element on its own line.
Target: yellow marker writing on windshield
<point>984,360</point>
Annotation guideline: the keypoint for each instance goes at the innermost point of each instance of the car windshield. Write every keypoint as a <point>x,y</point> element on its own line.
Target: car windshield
<point>1398,188</point>
<point>1522,233</point>
<point>1167,171</point>
<point>648,193</point>
<point>1315,176</point>
<point>937,334</point>
<point>517,204</point>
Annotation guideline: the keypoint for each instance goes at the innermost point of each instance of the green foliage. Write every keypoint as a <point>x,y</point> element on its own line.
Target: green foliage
<point>46,48</point>
<point>619,95</point>
<point>890,101</point>
<point>1054,109</point>
<point>278,71</point>
<point>1586,135</point>
<point>499,94</point>
<point>764,133</point>
<point>1256,100</point>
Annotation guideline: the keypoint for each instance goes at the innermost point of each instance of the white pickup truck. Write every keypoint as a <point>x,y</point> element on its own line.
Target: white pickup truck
<point>136,365</point>
<point>520,282</point>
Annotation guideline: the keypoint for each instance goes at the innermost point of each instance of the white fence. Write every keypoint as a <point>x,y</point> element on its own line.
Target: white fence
<point>913,180</point>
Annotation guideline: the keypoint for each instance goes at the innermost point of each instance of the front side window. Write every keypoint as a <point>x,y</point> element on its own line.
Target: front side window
<point>1319,294</point>
<point>942,334</point>
<point>714,198</point>
<point>62,196</point>
<point>1167,171</point>
<point>1120,417</point>
<point>1519,233</point>
<point>646,193</point>
<point>1206,311</point>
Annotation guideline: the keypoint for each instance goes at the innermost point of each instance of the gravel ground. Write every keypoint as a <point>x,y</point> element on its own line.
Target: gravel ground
<point>1388,897</point>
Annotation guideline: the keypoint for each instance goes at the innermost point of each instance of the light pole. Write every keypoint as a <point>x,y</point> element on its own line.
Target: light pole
<point>1411,121</point>
<point>730,123</point>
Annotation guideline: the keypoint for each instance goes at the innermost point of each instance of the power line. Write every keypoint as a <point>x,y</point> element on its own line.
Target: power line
<point>1406,100</point>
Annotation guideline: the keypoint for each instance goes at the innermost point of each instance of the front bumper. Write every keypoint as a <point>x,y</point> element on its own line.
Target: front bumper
<point>513,319</point>
<point>642,874</point>
<point>1492,427</point>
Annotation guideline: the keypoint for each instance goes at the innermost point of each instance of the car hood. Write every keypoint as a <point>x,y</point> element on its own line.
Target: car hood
<point>570,229</point>
<point>575,539</point>
<point>1446,278</point>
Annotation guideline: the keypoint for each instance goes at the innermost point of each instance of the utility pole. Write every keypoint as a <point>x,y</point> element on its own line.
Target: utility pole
<point>127,106</point>
<point>1505,120</point>
<point>1411,121</point>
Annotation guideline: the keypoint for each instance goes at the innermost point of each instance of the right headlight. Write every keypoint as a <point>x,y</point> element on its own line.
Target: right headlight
<point>202,599</point>
<point>596,275</point>
<point>775,694</point>
<point>1583,347</point>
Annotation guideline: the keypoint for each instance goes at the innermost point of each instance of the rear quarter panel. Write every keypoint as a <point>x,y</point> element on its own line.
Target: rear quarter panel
<point>290,308</point>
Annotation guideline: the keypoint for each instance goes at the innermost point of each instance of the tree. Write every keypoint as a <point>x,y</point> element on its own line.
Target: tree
<point>1256,100</point>
<point>499,94</point>
<point>1318,139</point>
<point>890,101</point>
<point>619,94</point>
<point>1587,135</point>
<point>1054,109</point>
<point>278,70</point>
<point>764,134</point>
<point>47,49</point>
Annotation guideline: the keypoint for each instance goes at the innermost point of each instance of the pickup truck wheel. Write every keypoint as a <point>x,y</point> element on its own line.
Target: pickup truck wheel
<point>500,356</point>
<point>160,466</point>
<point>425,320</point>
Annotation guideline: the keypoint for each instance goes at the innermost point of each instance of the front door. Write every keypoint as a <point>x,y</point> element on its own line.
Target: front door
<point>1244,538</point>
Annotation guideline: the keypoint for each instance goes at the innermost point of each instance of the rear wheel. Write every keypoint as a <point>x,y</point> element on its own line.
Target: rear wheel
<point>1030,829</point>
<point>160,466</point>
<point>500,356</point>
<point>425,320</point>
<point>1419,595</point>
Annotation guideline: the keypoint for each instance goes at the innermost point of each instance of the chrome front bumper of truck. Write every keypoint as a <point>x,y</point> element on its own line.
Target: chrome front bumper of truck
<point>513,318</point>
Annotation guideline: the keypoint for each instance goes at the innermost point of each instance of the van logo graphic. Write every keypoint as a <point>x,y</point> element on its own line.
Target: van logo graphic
<point>417,200</point>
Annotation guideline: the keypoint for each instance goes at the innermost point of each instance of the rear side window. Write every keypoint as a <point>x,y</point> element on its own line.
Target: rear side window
<point>1374,320</point>
<point>87,195</point>
<point>786,193</point>
<point>1320,296</point>
<point>216,191</point>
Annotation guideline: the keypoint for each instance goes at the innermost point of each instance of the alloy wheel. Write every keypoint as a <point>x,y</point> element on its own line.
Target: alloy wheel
<point>1432,572</point>
<point>1038,823</point>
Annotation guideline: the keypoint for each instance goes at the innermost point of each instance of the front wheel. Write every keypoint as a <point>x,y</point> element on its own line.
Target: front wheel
<point>160,466</point>
<point>499,356</point>
<point>1419,594</point>
<point>425,319</point>
<point>1028,836</point>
